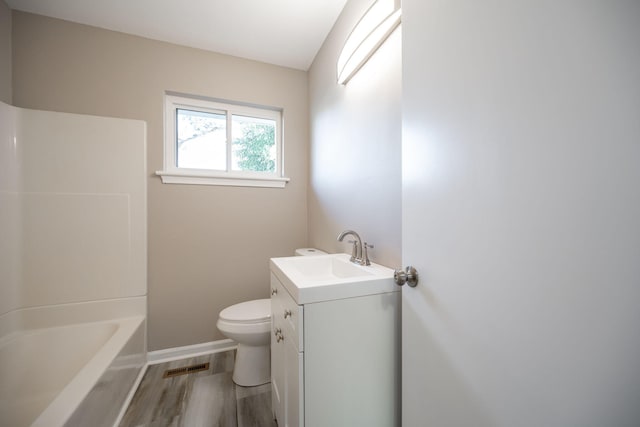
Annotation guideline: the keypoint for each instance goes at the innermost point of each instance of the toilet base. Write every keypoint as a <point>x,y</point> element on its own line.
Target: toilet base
<point>252,366</point>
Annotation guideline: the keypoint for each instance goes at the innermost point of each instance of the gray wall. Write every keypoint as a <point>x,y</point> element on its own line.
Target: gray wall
<point>208,246</point>
<point>5,53</point>
<point>355,169</point>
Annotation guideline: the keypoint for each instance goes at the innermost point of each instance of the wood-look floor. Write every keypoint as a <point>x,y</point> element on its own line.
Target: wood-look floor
<point>200,399</point>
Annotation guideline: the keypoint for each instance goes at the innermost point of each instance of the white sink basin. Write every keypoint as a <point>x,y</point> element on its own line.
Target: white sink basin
<point>322,268</point>
<point>328,277</point>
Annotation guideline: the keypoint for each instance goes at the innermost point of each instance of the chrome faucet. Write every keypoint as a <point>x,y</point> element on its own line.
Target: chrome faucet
<point>359,253</point>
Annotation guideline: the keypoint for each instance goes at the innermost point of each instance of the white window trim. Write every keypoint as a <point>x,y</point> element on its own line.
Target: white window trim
<point>171,174</point>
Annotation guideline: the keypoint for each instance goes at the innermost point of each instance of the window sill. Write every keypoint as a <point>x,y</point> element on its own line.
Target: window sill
<point>228,180</point>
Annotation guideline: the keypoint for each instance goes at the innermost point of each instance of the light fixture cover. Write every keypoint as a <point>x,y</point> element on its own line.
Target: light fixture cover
<point>366,37</point>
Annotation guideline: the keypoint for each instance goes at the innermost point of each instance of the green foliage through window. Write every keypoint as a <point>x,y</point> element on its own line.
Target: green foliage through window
<point>254,150</point>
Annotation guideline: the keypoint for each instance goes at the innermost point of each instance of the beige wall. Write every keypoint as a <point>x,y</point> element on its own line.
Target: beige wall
<point>208,246</point>
<point>5,53</point>
<point>355,167</point>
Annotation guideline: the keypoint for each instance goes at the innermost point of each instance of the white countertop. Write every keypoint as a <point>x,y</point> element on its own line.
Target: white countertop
<point>308,282</point>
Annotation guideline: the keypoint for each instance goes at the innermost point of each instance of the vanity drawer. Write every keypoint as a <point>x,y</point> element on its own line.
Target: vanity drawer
<point>287,313</point>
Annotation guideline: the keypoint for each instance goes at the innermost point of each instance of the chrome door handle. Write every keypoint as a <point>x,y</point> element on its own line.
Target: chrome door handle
<point>408,275</point>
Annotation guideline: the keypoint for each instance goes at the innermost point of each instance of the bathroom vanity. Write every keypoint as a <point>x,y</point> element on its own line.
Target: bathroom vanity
<point>335,343</point>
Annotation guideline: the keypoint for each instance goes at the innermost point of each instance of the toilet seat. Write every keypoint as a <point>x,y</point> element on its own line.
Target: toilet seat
<point>248,312</point>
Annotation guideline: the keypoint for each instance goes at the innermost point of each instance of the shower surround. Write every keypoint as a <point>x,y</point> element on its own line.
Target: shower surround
<point>72,262</point>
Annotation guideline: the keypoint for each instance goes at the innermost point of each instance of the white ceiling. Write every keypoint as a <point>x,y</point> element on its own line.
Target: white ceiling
<point>281,32</point>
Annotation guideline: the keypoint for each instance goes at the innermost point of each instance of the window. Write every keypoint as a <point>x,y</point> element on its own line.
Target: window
<point>221,143</point>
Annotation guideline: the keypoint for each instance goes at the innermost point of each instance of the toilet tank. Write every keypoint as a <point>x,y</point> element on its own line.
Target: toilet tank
<point>309,252</point>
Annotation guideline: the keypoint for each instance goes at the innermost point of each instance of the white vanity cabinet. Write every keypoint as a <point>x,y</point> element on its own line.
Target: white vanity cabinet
<point>335,362</point>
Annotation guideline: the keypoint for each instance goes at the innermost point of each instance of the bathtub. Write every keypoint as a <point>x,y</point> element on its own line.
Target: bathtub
<point>73,375</point>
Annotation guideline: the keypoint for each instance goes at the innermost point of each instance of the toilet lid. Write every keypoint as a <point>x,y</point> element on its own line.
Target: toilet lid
<point>248,312</point>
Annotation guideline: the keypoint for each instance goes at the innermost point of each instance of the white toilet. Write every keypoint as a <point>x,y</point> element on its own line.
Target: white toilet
<point>249,324</point>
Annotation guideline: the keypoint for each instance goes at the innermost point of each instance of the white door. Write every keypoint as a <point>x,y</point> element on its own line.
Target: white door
<point>521,213</point>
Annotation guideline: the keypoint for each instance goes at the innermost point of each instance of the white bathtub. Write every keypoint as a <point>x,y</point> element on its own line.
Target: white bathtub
<point>78,374</point>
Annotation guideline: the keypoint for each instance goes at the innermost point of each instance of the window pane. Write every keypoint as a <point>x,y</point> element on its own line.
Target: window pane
<point>254,144</point>
<point>201,140</point>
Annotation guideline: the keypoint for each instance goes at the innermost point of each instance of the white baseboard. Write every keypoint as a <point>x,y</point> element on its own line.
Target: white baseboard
<point>176,353</point>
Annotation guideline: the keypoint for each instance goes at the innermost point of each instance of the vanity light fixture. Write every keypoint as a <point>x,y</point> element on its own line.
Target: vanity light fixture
<point>367,36</point>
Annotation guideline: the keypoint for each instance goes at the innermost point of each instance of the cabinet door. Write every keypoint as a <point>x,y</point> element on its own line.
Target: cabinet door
<point>286,357</point>
<point>277,366</point>
<point>352,362</point>
<point>293,372</point>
